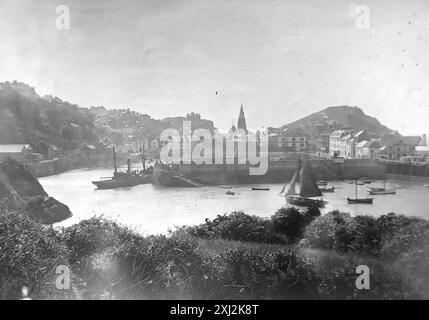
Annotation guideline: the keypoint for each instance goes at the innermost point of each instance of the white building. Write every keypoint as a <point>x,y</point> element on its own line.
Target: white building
<point>422,151</point>
<point>20,152</point>
<point>337,142</point>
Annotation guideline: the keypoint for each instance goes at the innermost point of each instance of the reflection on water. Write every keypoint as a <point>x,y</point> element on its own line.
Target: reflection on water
<point>151,210</point>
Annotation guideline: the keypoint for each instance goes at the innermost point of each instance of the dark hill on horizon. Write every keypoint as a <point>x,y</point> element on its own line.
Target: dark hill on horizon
<point>344,117</point>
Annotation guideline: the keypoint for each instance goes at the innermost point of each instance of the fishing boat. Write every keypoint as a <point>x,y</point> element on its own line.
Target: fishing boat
<point>230,193</point>
<point>383,190</point>
<point>366,180</point>
<point>357,200</point>
<point>123,179</point>
<point>331,189</point>
<point>324,183</point>
<point>261,188</point>
<point>321,183</point>
<point>308,188</point>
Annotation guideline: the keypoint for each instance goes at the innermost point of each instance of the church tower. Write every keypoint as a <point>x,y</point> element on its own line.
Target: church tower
<point>241,124</point>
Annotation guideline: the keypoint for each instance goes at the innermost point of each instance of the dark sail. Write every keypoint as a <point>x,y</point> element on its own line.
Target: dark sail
<point>308,185</point>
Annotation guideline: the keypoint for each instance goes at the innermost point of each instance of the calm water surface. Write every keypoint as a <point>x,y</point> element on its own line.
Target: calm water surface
<point>152,210</point>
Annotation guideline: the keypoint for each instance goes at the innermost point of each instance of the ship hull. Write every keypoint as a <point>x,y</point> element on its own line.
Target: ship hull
<point>360,201</point>
<point>382,192</point>
<point>305,202</point>
<point>328,189</point>
<point>169,178</point>
<point>122,183</point>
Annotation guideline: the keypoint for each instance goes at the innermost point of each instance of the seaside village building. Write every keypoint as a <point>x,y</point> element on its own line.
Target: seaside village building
<point>286,143</point>
<point>20,152</point>
<point>322,133</point>
<point>368,149</point>
<point>396,147</point>
<point>342,143</point>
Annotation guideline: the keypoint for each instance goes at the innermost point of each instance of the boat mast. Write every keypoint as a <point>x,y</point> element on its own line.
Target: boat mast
<point>114,160</point>
<point>142,156</point>
<point>356,189</point>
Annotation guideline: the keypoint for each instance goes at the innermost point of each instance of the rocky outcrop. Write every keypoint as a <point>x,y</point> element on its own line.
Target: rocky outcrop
<point>19,187</point>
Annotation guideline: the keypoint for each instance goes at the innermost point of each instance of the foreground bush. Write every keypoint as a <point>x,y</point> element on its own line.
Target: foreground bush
<point>238,226</point>
<point>29,255</point>
<point>182,266</point>
<point>387,236</point>
<point>291,222</point>
<point>108,260</point>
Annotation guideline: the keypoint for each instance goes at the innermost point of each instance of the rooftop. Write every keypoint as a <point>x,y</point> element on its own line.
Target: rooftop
<point>13,148</point>
<point>422,149</point>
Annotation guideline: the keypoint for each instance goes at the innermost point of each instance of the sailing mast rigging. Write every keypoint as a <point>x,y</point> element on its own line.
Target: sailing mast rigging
<point>307,188</point>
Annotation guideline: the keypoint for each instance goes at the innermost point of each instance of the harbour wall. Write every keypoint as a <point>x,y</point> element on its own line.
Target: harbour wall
<point>408,171</point>
<point>408,178</point>
<point>50,167</point>
<point>282,171</point>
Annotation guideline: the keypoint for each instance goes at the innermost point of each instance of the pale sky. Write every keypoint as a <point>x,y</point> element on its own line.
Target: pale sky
<point>283,59</point>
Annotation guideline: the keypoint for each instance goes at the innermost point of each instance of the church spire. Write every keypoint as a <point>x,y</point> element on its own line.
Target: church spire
<point>241,124</point>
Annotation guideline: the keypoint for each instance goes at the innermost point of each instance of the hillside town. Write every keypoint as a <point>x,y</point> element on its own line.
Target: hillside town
<point>89,135</point>
<point>220,156</point>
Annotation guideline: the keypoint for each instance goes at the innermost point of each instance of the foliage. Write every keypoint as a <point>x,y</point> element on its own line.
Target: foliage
<point>29,254</point>
<point>386,236</point>
<point>109,260</point>
<point>291,222</point>
<point>237,226</point>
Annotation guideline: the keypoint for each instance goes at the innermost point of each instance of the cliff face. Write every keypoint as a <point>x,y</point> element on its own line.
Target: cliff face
<point>20,188</point>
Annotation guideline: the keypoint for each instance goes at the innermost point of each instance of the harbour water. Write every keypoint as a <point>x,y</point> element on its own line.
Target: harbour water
<point>152,209</point>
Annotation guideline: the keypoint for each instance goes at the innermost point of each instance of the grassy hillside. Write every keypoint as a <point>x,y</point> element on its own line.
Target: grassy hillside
<point>344,116</point>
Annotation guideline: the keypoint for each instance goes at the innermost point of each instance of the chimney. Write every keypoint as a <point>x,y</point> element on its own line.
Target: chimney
<point>129,166</point>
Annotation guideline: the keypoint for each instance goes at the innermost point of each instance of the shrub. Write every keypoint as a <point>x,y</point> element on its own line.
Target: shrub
<point>288,221</point>
<point>29,255</point>
<point>237,226</point>
<point>400,234</point>
<point>93,236</point>
<point>322,232</point>
<point>112,259</point>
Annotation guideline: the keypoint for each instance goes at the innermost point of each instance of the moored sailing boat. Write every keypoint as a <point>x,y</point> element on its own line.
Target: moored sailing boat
<point>383,190</point>
<point>308,188</point>
<point>357,200</point>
